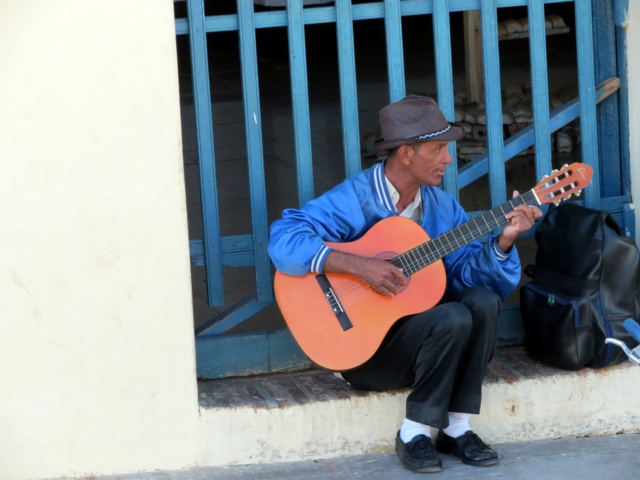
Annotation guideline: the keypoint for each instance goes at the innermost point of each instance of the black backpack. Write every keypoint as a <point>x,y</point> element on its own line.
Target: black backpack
<point>585,284</point>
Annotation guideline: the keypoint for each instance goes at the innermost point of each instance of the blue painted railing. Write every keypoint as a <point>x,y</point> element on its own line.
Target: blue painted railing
<point>610,188</point>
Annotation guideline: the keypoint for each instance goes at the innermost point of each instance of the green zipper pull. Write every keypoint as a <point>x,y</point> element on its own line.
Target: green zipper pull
<point>551,300</point>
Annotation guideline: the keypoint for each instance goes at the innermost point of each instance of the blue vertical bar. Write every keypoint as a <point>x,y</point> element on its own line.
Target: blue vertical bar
<point>255,156</point>
<point>540,86</point>
<point>608,114</point>
<point>348,88</point>
<point>300,100</point>
<point>444,82</point>
<point>493,101</point>
<point>586,88</point>
<point>395,54</point>
<point>621,20</point>
<point>206,159</point>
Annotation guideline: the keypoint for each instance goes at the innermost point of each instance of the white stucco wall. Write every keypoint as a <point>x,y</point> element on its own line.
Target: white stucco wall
<point>96,345</point>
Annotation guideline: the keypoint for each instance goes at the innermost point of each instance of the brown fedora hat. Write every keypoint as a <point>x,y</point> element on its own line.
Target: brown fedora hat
<point>414,119</point>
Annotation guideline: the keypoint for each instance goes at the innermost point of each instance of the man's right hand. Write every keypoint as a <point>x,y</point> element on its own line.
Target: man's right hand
<point>380,275</point>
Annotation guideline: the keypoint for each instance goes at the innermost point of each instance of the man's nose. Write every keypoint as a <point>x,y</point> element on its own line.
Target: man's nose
<point>447,158</point>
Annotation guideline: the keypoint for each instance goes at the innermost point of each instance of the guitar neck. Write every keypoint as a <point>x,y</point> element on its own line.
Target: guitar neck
<point>436,248</point>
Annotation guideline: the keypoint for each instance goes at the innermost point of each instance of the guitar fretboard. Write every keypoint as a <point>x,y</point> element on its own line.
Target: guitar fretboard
<point>436,248</point>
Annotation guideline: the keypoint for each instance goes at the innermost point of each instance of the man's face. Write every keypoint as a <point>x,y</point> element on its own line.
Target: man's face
<point>429,161</point>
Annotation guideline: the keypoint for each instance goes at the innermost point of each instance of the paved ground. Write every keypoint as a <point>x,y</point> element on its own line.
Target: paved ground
<point>595,458</point>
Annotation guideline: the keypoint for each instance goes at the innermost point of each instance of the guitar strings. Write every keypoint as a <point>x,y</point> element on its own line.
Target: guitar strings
<point>558,191</point>
<point>440,251</point>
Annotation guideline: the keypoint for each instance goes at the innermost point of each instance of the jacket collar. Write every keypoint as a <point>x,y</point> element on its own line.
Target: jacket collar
<point>380,187</point>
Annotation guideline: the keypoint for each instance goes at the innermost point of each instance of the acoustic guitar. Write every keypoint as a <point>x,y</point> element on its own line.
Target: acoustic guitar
<point>339,321</point>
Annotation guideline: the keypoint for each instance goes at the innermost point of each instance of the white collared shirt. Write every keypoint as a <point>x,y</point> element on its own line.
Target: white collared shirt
<point>413,210</point>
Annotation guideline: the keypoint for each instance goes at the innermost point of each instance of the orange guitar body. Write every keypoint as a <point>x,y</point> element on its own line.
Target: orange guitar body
<point>311,318</point>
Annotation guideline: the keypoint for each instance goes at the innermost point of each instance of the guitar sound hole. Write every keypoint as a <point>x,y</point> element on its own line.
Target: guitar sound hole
<point>389,256</point>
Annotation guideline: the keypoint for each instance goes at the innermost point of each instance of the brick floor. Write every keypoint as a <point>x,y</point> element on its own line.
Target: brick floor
<point>300,388</point>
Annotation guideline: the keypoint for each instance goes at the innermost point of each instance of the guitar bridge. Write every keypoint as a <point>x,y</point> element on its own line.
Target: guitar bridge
<point>334,302</point>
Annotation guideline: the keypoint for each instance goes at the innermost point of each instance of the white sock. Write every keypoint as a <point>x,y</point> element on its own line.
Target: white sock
<point>458,424</point>
<point>410,429</point>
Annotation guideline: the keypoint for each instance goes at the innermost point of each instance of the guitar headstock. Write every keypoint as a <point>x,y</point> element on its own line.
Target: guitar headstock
<point>563,183</point>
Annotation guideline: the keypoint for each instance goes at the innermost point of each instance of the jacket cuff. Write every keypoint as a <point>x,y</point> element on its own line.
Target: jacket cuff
<point>317,262</point>
<point>500,255</point>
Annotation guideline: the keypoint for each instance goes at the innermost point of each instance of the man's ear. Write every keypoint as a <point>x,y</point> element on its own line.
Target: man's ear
<point>405,152</point>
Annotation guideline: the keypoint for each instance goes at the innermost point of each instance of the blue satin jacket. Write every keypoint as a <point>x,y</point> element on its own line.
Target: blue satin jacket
<point>346,212</point>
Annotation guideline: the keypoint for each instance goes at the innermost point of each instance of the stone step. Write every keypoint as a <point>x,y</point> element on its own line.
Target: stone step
<point>313,414</point>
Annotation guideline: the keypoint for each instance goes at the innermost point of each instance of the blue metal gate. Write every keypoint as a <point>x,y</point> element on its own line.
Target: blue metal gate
<point>600,107</point>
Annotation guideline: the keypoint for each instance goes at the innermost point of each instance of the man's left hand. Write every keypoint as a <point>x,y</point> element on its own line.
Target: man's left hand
<point>519,221</point>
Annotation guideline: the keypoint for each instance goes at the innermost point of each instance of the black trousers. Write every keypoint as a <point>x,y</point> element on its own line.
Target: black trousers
<point>442,354</point>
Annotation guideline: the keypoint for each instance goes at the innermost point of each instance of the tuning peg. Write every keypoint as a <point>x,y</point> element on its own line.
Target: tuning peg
<point>564,166</point>
<point>577,193</point>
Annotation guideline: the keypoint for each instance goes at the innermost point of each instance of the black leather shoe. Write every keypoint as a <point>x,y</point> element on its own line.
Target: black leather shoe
<point>419,455</point>
<point>468,448</point>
